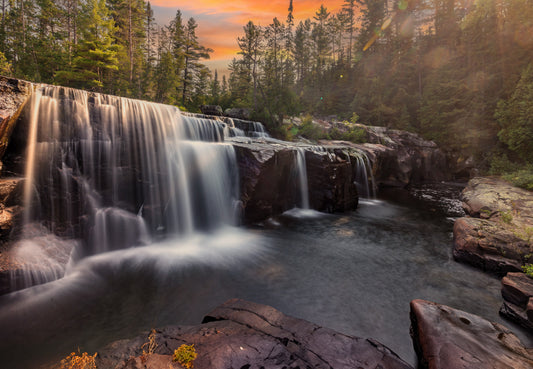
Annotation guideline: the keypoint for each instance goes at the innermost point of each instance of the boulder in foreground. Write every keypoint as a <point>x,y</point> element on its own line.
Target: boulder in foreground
<point>446,338</point>
<point>241,334</point>
<point>517,293</point>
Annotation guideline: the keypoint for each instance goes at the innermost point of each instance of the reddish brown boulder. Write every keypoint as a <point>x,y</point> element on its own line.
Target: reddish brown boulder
<point>498,236</point>
<point>446,338</point>
<point>486,245</point>
<point>241,334</point>
<point>517,292</point>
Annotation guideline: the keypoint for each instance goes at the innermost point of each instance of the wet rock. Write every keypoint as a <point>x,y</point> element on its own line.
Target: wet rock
<point>270,185</point>
<point>331,182</point>
<point>400,158</point>
<point>241,334</point>
<point>447,338</point>
<point>498,235</point>
<point>517,292</point>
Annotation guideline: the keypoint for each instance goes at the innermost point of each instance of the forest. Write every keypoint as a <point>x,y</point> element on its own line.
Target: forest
<point>458,72</point>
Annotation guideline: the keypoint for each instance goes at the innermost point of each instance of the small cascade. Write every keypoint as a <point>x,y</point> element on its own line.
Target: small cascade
<point>365,185</point>
<point>106,173</point>
<point>248,128</point>
<point>231,130</point>
<point>258,130</point>
<point>302,178</point>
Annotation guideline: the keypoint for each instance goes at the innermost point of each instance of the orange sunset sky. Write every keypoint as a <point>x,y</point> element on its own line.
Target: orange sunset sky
<point>221,22</point>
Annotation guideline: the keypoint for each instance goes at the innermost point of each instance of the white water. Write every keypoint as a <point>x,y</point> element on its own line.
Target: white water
<point>106,173</point>
<point>365,185</point>
<point>302,178</point>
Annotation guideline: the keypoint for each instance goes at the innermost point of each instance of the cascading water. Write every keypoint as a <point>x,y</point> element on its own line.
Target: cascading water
<point>110,173</point>
<point>365,185</point>
<point>302,178</point>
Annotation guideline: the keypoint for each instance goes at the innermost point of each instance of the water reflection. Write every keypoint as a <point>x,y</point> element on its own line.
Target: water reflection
<point>354,272</point>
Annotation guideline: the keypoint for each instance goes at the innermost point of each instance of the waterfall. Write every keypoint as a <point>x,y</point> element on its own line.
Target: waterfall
<point>302,178</point>
<point>365,185</point>
<point>109,173</point>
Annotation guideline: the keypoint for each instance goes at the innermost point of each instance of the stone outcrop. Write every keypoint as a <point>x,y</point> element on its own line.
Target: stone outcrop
<point>446,338</point>
<point>400,158</point>
<point>10,217</point>
<point>488,246</point>
<point>517,292</point>
<point>241,334</point>
<point>14,94</point>
<point>269,180</point>
<point>498,235</point>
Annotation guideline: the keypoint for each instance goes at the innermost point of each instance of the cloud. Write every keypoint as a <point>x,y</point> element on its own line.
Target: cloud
<point>221,22</point>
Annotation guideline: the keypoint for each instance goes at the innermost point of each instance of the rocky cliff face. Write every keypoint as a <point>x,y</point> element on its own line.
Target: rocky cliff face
<point>401,158</point>
<point>269,183</point>
<point>14,94</point>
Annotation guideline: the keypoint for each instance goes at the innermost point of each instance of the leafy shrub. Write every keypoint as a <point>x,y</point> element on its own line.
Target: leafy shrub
<point>500,164</point>
<point>310,130</point>
<point>185,355</point>
<point>528,269</point>
<point>356,135</point>
<point>78,361</point>
<point>354,118</point>
<point>522,178</point>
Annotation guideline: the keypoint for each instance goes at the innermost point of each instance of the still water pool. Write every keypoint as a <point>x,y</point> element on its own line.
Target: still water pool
<point>354,272</point>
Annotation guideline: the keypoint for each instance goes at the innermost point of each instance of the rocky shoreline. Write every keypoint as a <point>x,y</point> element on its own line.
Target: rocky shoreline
<point>497,237</point>
<point>242,334</point>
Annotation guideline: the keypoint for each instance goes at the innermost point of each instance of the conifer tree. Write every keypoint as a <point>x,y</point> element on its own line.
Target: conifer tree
<point>96,55</point>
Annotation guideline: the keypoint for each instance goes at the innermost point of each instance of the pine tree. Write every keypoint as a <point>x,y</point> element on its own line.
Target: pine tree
<point>96,55</point>
<point>250,49</point>
<point>349,25</point>
<point>193,52</point>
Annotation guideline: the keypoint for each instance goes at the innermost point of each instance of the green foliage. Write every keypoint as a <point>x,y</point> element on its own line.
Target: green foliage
<point>356,134</point>
<point>185,355</point>
<point>500,164</point>
<point>528,269</point>
<point>506,217</point>
<point>354,119</point>
<point>522,178</point>
<point>515,117</point>
<point>5,66</point>
<point>310,130</point>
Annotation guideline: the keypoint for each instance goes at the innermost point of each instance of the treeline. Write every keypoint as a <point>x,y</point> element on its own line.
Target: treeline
<point>455,71</point>
<point>111,46</point>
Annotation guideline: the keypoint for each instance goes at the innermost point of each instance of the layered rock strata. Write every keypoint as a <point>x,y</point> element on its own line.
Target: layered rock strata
<point>446,338</point>
<point>497,236</point>
<point>241,334</point>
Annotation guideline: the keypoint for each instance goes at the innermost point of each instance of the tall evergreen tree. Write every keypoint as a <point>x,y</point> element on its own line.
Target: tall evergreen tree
<point>96,55</point>
<point>193,52</point>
